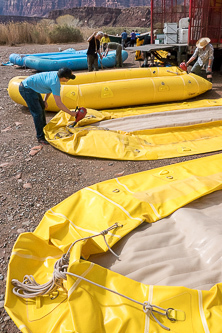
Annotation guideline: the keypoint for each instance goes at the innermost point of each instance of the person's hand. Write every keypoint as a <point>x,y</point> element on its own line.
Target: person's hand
<point>73,113</point>
<point>101,56</point>
<point>209,69</point>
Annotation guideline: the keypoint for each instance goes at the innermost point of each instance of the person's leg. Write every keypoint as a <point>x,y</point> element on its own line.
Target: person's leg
<point>119,62</point>
<point>90,61</point>
<point>35,104</point>
<point>95,63</point>
<point>145,59</point>
<point>196,69</point>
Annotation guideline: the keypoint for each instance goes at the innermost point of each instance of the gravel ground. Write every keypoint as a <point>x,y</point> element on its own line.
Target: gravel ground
<point>30,185</point>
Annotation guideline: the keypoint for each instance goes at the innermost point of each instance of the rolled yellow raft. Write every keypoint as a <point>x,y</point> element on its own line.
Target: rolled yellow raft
<point>123,92</point>
<point>86,297</point>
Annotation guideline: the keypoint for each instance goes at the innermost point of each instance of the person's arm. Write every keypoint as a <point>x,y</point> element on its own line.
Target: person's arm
<point>194,56</point>
<point>190,60</point>
<point>209,67</point>
<point>62,107</point>
<point>45,99</point>
<point>100,54</point>
<point>211,57</point>
<point>91,37</point>
<point>106,52</point>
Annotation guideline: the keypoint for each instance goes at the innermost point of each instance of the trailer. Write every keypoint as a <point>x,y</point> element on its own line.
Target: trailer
<point>204,20</point>
<point>183,23</point>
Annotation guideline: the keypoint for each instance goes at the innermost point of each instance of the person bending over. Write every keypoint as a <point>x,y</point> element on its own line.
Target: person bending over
<point>94,50</point>
<point>204,53</point>
<point>44,83</point>
<point>118,48</point>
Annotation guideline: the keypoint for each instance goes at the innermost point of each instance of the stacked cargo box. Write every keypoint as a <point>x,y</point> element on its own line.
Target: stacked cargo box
<point>170,33</point>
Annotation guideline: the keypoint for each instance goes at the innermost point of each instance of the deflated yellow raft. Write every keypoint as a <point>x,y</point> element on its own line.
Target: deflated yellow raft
<point>95,218</point>
<point>128,135</point>
<point>172,85</point>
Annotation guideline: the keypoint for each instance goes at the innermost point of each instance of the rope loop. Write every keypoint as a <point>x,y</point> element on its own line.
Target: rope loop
<point>29,288</point>
<point>150,309</point>
<point>147,308</point>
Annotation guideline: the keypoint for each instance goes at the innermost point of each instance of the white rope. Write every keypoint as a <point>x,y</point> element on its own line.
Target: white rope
<point>148,308</point>
<point>29,288</point>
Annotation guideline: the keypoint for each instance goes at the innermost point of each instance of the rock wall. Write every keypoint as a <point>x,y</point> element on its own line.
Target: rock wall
<point>102,16</point>
<point>43,7</point>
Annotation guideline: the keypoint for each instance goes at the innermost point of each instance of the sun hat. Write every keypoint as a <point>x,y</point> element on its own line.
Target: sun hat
<point>100,33</point>
<point>202,42</point>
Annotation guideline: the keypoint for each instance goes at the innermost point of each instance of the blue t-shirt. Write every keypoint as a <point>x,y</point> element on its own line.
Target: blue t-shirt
<point>124,35</point>
<point>133,35</point>
<point>44,83</point>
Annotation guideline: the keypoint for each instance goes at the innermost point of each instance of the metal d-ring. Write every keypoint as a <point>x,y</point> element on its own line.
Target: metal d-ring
<point>55,296</point>
<point>167,314</point>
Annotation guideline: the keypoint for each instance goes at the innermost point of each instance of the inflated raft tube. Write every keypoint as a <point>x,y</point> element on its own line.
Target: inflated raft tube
<point>18,59</point>
<point>120,93</point>
<point>87,297</point>
<point>77,61</point>
<point>113,74</point>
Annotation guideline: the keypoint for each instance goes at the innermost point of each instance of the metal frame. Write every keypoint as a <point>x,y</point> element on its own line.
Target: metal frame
<point>205,18</point>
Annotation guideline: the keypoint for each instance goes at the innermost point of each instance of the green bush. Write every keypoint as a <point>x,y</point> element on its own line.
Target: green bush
<point>65,34</point>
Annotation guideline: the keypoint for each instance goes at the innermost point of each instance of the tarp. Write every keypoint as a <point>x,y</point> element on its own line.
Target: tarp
<point>124,203</point>
<point>141,133</point>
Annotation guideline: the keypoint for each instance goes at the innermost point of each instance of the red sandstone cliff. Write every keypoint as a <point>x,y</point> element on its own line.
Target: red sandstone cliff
<point>43,7</point>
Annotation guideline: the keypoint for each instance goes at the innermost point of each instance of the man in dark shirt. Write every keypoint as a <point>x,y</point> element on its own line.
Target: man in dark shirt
<point>94,50</point>
<point>132,38</point>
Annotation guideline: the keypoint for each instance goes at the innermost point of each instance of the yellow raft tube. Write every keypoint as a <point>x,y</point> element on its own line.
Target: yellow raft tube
<point>90,298</point>
<point>141,86</point>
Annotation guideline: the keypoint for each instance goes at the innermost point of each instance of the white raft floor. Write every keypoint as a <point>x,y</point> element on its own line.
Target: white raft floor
<point>183,249</point>
<point>163,119</point>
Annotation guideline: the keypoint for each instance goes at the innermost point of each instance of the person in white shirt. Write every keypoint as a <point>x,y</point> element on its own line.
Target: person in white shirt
<point>204,53</point>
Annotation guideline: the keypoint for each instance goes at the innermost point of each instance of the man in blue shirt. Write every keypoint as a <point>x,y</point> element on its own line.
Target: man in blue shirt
<point>124,38</point>
<point>44,83</point>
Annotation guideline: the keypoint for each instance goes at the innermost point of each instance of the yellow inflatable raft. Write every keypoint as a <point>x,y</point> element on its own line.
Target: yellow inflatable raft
<point>65,291</point>
<point>142,133</point>
<point>118,92</point>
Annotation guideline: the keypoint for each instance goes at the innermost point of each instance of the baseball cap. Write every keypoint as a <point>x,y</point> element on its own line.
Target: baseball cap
<point>66,73</point>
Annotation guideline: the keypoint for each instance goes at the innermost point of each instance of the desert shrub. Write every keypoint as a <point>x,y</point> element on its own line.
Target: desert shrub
<point>43,32</point>
<point>23,32</point>
<point>65,34</point>
<point>68,20</point>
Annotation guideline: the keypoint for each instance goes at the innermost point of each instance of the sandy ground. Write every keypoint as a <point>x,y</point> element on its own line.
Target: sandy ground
<point>51,175</point>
